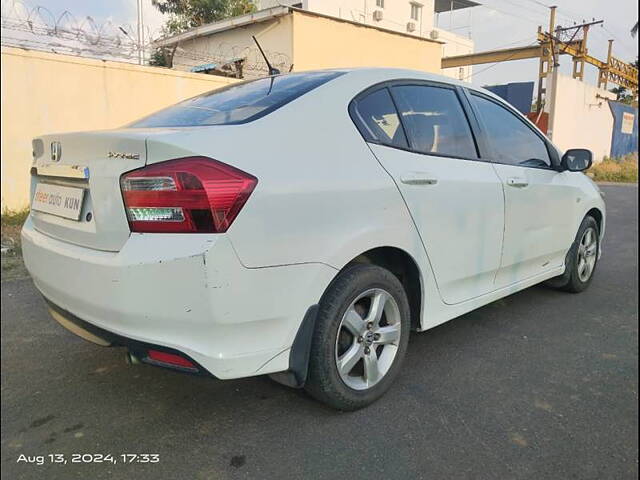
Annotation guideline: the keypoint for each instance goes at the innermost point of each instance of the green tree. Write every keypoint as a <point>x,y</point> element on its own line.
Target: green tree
<point>186,14</point>
<point>623,95</point>
<point>193,13</point>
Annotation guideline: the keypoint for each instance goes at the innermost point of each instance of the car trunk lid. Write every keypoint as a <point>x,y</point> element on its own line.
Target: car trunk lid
<point>85,168</point>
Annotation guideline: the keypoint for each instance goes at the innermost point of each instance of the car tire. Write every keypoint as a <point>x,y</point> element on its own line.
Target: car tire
<point>581,260</point>
<point>360,338</point>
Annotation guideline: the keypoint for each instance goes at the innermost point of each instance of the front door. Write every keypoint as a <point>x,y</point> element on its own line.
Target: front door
<point>539,225</point>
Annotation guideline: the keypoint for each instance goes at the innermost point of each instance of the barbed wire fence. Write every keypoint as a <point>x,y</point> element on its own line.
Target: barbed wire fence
<point>253,62</point>
<point>38,28</point>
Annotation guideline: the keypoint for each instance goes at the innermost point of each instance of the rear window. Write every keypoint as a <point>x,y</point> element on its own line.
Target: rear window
<point>237,103</point>
<point>378,119</point>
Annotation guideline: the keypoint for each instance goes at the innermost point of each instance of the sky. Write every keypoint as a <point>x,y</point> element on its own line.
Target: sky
<point>118,11</point>
<point>508,23</point>
<point>495,24</point>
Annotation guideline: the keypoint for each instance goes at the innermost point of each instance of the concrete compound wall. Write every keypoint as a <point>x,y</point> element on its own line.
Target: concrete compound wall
<point>48,93</point>
<point>581,118</point>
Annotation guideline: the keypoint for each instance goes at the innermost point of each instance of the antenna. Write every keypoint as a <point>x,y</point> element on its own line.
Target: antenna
<point>272,70</point>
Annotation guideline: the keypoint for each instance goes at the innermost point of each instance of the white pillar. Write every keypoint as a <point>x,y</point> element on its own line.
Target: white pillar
<point>552,96</point>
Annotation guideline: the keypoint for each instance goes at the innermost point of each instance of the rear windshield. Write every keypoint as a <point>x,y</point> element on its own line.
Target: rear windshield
<point>237,103</point>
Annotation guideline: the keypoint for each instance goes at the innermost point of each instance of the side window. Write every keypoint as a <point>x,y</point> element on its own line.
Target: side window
<point>378,120</point>
<point>435,121</point>
<point>513,142</point>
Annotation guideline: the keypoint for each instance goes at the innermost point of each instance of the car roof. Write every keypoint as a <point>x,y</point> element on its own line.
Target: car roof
<point>402,73</point>
<point>370,76</point>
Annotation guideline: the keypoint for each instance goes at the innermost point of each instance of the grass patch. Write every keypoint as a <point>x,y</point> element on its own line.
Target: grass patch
<point>12,264</point>
<point>624,169</point>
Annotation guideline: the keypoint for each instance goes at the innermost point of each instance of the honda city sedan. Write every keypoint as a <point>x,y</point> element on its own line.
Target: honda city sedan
<point>302,225</point>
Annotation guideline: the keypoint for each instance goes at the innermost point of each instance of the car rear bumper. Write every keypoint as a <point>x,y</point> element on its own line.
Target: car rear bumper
<point>136,350</point>
<point>187,293</point>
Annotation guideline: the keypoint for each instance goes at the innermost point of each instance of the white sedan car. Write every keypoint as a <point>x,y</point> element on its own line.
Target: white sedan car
<point>302,225</point>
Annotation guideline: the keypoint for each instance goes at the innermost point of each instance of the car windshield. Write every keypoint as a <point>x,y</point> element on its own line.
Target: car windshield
<point>237,103</point>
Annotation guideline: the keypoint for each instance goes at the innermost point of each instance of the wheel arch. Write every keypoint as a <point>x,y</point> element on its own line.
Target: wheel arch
<point>405,268</point>
<point>400,263</point>
<point>597,214</point>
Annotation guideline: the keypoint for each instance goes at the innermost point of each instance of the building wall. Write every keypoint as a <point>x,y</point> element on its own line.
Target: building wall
<point>321,42</point>
<point>581,118</point>
<point>293,39</point>
<point>47,93</point>
<point>395,13</point>
<point>396,16</point>
<point>455,45</point>
<point>274,36</point>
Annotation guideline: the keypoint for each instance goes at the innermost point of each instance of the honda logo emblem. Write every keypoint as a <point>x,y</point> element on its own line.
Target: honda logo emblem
<point>56,151</point>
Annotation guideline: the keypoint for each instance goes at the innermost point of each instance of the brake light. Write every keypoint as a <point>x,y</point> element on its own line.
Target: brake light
<point>187,195</point>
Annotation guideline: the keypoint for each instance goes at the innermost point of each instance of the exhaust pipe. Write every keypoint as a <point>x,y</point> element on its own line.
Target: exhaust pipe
<point>131,359</point>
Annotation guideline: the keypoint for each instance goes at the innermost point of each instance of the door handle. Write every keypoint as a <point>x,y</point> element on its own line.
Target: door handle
<point>517,182</point>
<point>418,178</point>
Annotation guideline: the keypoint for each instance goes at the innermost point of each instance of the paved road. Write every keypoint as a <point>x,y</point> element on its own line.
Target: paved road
<point>539,385</point>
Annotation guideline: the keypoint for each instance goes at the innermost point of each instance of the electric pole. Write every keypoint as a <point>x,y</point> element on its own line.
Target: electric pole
<point>140,33</point>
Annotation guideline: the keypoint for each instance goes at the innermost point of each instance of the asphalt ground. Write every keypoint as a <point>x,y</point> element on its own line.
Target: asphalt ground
<point>542,384</point>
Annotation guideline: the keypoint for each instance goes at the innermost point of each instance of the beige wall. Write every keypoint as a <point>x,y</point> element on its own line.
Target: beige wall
<point>320,42</point>
<point>396,16</point>
<point>47,93</point>
<point>581,118</point>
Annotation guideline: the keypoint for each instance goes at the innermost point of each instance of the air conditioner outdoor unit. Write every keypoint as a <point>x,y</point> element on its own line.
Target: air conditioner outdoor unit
<point>434,34</point>
<point>377,15</point>
<point>411,27</point>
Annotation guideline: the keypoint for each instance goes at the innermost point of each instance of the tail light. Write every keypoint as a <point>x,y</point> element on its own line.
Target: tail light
<point>188,195</point>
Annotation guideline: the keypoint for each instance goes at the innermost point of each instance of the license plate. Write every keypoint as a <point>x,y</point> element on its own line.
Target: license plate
<point>58,200</point>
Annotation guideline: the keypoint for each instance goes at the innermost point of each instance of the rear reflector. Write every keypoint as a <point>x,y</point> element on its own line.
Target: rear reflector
<point>188,195</point>
<point>170,359</point>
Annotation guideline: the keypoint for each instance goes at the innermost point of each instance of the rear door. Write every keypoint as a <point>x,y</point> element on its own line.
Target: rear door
<point>454,198</point>
<point>540,205</point>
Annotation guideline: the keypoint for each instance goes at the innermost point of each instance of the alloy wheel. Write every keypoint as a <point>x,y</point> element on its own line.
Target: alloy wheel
<point>587,254</point>
<point>368,339</point>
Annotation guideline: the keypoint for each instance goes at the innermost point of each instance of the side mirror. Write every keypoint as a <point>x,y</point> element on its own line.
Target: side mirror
<point>577,160</point>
